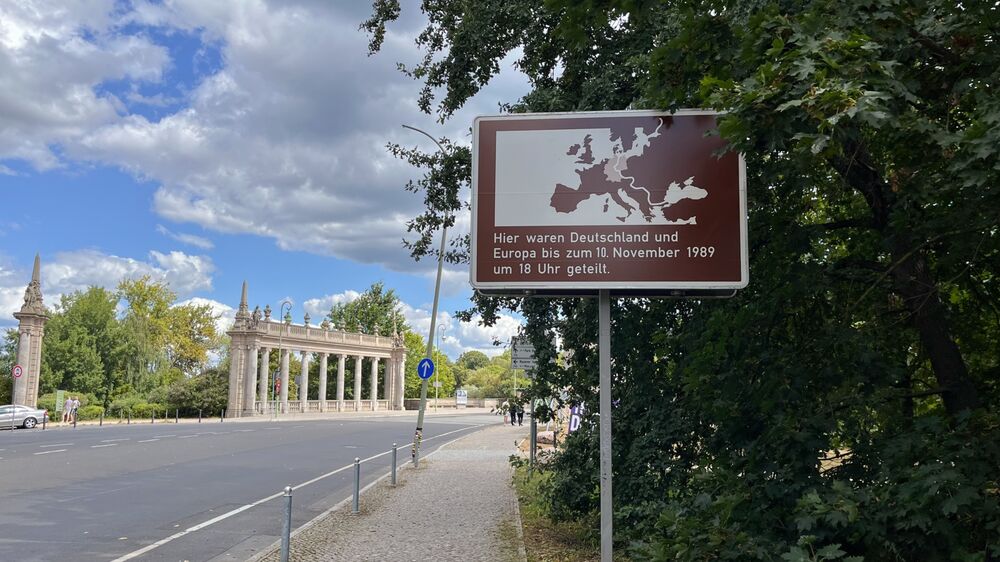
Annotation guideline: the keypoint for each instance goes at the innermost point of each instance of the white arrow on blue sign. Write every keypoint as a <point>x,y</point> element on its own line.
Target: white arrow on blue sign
<point>425,369</point>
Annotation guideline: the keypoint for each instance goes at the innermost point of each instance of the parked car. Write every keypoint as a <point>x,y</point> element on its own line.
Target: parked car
<point>22,416</point>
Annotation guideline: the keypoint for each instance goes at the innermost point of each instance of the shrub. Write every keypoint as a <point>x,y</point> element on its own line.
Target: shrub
<point>148,409</point>
<point>91,412</point>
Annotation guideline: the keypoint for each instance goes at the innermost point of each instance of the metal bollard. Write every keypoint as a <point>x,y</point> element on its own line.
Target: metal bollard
<point>222,416</point>
<point>357,486</point>
<point>100,421</point>
<point>129,422</point>
<point>152,418</point>
<point>45,418</point>
<point>393,480</point>
<point>199,416</point>
<point>286,526</point>
<point>177,415</point>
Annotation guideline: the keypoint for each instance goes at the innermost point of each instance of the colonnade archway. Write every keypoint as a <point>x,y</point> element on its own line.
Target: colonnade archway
<point>255,335</point>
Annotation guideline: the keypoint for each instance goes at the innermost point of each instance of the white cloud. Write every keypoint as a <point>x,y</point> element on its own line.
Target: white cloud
<point>77,270</point>
<point>318,308</point>
<point>53,57</point>
<point>191,239</point>
<point>283,141</point>
<point>457,337</point>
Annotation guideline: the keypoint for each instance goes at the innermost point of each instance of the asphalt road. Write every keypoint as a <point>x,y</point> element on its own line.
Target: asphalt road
<point>102,493</point>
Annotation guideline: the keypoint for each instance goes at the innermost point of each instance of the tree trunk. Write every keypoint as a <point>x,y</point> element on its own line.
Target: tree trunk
<point>913,282</point>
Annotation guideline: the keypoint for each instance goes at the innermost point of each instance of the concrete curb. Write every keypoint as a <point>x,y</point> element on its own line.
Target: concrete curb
<point>284,418</point>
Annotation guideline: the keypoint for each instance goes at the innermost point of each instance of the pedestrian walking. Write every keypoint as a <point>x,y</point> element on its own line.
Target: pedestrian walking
<point>67,407</point>
<point>75,407</point>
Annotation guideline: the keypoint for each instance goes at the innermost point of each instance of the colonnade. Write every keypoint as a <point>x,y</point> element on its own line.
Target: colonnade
<point>255,336</point>
<point>257,382</point>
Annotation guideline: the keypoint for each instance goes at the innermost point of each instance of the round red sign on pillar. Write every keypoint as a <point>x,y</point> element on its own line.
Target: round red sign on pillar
<point>17,371</point>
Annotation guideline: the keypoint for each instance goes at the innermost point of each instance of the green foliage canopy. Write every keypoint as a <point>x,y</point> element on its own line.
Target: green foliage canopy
<point>843,406</point>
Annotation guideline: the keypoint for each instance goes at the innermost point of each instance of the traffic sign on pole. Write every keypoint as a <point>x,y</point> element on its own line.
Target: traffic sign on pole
<point>17,371</point>
<point>425,369</point>
<point>606,204</point>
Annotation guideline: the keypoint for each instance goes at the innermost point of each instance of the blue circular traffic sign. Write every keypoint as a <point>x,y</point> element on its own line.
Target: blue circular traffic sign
<point>425,369</point>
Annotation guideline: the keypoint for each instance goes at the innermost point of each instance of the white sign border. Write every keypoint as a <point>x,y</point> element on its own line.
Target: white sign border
<point>597,285</point>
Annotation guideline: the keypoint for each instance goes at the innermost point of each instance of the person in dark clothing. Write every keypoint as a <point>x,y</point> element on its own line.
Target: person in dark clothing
<point>513,412</point>
<point>520,414</point>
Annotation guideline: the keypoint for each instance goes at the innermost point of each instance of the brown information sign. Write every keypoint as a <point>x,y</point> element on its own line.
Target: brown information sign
<point>628,200</point>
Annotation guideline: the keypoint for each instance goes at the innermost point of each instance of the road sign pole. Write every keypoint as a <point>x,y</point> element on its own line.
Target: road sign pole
<point>604,351</point>
<point>434,311</point>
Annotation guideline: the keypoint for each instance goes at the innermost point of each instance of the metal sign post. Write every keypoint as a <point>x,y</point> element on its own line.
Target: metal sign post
<point>604,352</point>
<point>418,434</point>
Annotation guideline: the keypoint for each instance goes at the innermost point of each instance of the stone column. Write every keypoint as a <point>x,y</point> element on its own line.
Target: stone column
<point>389,384</point>
<point>31,326</point>
<point>322,382</point>
<point>374,394</point>
<point>265,376</point>
<point>401,382</point>
<point>235,364</point>
<point>283,395</point>
<point>340,381</point>
<point>304,384</point>
<point>250,381</point>
<point>23,356</point>
<point>357,382</point>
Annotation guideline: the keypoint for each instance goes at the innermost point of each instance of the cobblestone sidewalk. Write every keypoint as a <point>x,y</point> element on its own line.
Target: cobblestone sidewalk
<point>459,505</point>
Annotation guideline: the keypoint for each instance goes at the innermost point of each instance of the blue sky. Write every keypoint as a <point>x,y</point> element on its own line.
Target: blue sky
<point>207,143</point>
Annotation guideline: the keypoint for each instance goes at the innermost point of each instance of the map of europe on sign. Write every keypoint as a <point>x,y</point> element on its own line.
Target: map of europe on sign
<point>625,200</point>
<point>590,177</point>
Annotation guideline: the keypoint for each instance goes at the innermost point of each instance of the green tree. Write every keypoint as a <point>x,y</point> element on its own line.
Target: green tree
<point>84,345</point>
<point>473,360</point>
<point>161,335</point>
<point>375,310</point>
<point>147,327</point>
<point>845,403</point>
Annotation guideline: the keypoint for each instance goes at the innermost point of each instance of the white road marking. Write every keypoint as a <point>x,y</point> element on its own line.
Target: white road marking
<point>272,428</point>
<point>105,445</point>
<point>52,445</point>
<point>350,446</point>
<point>244,430</point>
<point>241,509</point>
<point>187,436</point>
<point>147,440</point>
<point>53,451</point>
<point>113,440</point>
<point>171,435</point>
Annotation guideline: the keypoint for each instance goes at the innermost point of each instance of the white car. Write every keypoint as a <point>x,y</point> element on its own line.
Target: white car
<point>12,416</point>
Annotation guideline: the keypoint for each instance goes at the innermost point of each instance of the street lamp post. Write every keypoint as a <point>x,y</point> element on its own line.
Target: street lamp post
<point>286,317</point>
<point>430,338</point>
